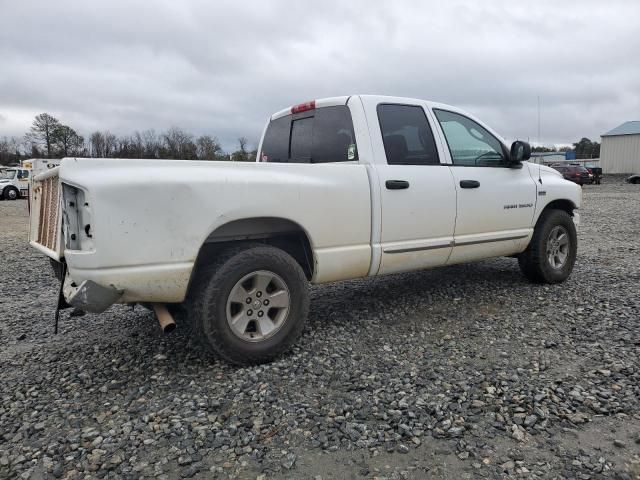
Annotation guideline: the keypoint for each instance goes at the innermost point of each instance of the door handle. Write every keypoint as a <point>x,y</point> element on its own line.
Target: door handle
<point>469,183</point>
<point>396,184</point>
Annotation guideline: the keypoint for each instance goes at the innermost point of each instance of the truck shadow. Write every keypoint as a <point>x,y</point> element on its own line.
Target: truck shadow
<point>128,343</point>
<point>394,298</point>
<point>450,293</point>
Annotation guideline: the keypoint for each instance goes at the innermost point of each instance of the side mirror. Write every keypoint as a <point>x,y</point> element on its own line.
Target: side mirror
<point>519,151</point>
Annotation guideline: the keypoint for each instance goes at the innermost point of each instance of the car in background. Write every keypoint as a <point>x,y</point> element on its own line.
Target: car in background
<point>574,173</point>
<point>633,179</point>
<point>596,174</point>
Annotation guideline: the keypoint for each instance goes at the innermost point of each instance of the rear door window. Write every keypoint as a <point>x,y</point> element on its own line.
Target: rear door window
<point>333,136</point>
<point>407,136</point>
<point>318,136</point>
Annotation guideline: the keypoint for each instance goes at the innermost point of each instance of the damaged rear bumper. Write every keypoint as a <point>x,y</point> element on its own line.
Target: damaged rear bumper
<point>89,296</point>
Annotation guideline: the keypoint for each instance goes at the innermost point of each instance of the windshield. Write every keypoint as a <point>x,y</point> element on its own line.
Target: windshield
<point>10,174</point>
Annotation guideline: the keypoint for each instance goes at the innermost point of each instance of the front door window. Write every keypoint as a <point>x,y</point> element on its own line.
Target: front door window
<point>469,143</point>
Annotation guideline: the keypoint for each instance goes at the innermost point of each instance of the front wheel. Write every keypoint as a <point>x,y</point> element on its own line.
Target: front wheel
<point>11,193</point>
<point>550,256</point>
<point>253,305</point>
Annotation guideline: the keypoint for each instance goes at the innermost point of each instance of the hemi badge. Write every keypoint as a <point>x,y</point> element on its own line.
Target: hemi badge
<point>542,193</point>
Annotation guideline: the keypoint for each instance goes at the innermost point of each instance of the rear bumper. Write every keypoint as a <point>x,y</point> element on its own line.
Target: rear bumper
<point>165,283</point>
<point>91,297</point>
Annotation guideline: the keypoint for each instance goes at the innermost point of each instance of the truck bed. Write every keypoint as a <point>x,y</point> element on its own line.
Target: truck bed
<point>150,218</point>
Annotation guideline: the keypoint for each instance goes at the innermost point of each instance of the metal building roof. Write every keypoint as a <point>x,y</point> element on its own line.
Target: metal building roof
<point>627,128</point>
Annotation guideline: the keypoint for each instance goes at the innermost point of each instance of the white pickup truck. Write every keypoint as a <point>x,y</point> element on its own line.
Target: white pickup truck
<point>342,188</point>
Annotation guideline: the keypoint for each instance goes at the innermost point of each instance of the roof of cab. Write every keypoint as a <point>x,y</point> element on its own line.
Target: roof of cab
<point>320,102</point>
<point>332,101</point>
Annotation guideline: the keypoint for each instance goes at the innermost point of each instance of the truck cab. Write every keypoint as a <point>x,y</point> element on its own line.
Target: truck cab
<point>14,183</point>
<point>444,187</point>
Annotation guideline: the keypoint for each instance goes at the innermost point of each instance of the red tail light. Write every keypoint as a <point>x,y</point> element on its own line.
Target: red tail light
<point>303,107</point>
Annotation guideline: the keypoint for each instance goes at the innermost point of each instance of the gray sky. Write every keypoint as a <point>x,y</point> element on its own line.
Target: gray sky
<point>222,67</point>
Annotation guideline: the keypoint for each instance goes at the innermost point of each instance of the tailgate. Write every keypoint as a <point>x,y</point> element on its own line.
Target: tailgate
<point>45,219</point>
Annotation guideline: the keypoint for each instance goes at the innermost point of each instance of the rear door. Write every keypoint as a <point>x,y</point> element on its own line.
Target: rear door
<point>418,200</point>
<point>495,202</point>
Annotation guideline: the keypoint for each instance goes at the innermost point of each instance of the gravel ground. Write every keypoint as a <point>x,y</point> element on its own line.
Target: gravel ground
<point>462,372</point>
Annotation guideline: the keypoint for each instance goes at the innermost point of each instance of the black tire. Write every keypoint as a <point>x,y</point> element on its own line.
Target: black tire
<point>11,193</point>
<point>207,304</point>
<point>534,261</point>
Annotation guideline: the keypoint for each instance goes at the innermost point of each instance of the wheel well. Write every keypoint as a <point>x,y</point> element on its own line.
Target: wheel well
<point>277,232</point>
<point>566,205</point>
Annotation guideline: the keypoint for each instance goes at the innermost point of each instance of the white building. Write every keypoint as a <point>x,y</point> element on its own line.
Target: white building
<point>620,149</point>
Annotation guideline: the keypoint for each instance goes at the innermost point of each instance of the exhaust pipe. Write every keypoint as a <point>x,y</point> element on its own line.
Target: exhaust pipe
<point>166,321</point>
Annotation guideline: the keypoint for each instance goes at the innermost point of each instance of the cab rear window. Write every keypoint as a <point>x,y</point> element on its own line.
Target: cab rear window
<point>317,136</point>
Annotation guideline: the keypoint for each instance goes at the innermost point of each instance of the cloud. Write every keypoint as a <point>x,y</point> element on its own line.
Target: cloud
<point>223,67</point>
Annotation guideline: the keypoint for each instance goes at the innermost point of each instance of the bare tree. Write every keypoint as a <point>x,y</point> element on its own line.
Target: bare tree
<point>30,148</point>
<point>137,145</point>
<point>208,148</point>
<point>242,142</point>
<point>179,145</point>
<point>9,151</point>
<point>110,143</point>
<point>43,132</point>
<point>241,155</point>
<point>97,146</point>
<point>175,143</point>
<point>151,144</point>
<point>68,141</point>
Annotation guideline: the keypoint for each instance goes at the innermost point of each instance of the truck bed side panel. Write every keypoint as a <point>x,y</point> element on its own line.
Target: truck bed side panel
<point>153,216</point>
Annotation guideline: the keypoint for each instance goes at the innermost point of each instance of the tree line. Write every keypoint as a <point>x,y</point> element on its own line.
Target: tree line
<point>50,138</point>
<point>585,148</point>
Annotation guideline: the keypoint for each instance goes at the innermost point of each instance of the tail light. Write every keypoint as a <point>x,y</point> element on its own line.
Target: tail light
<point>303,107</point>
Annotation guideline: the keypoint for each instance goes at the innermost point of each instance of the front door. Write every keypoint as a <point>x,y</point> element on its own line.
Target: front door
<point>495,201</point>
<point>418,198</point>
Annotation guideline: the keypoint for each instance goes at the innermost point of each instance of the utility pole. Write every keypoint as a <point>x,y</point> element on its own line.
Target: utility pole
<point>539,140</point>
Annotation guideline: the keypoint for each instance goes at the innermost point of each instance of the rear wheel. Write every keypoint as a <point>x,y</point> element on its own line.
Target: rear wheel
<point>550,256</point>
<point>252,305</point>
